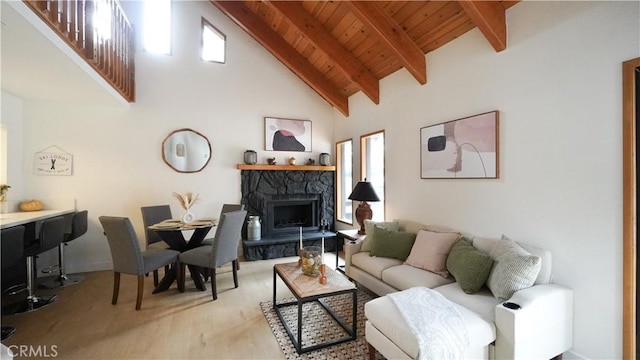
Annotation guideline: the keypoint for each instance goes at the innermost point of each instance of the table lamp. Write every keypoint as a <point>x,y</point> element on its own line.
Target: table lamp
<point>363,192</point>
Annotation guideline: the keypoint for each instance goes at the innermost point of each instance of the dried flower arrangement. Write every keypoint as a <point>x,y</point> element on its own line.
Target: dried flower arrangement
<point>3,191</point>
<point>186,200</point>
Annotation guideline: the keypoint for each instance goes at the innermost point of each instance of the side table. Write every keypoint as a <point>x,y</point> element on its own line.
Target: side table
<point>346,235</point>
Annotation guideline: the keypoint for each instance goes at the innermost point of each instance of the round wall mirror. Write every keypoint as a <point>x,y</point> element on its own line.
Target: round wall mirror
<point>186,151</point>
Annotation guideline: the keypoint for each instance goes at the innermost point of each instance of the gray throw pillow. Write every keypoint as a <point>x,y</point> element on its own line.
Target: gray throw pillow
<point>369,227</point>
<point>470,267</point>
<point>513,269</point>
<point>392,244</point>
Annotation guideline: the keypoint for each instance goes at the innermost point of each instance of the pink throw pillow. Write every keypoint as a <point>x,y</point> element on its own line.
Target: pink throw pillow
<point>430,251</point>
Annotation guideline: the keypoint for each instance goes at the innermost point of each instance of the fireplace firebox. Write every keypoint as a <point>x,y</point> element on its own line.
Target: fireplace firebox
<point>289,213</point>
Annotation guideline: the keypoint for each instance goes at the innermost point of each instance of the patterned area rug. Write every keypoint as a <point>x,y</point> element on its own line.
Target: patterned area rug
<point>319,327</point>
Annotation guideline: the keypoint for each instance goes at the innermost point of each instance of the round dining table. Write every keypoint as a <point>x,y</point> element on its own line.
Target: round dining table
<point>172,232</point>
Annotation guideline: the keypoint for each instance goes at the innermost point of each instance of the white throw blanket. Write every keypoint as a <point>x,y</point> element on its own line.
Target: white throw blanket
<point>434,321</point>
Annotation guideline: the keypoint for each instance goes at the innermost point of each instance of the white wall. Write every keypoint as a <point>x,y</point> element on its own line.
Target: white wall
<point>11,119</point>
<point>558,88</point>
<point>118,165</point>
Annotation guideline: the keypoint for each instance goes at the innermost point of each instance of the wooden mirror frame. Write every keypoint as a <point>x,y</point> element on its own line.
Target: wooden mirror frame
<point>203,150</point>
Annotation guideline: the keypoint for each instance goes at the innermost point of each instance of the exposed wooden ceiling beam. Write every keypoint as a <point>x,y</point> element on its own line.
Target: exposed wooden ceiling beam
<point>489,17</point>
<point>388,30</point>
<point>274,43</point>
<point>322,39</point>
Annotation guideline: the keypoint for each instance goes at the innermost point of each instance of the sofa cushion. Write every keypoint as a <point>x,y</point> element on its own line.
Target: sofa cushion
<point>483,302</point>
<point>369,229</point>
<point>383,314</point>
<point>514,268</point>
<point>373,265</point>
<point>391,244</point>
<point>430,251</point>
<point>544,277</point>
<point>403,277</point>
<point>469,266</point>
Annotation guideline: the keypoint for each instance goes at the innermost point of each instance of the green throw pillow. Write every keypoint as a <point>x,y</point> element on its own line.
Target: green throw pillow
<point>369,227</point>
<point>391,244</point>
<point>470,267</point>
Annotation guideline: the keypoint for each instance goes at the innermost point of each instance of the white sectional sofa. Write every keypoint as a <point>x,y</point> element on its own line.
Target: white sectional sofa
<point>540,328</point>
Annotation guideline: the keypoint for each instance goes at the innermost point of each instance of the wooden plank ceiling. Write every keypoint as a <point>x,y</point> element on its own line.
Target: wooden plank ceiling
<point>341,47</point>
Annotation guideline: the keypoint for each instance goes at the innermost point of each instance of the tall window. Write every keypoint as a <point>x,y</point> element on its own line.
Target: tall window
<point>372,168</point>
<point>157,26</point>
<point>344,176</point>
<point>213,42</point>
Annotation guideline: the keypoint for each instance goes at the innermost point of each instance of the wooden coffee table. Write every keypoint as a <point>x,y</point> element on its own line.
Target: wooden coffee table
<point>307,289</point>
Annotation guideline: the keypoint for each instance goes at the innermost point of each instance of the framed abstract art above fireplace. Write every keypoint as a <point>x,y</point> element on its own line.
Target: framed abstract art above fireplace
<point>464,148</point>
<point>287,134</point>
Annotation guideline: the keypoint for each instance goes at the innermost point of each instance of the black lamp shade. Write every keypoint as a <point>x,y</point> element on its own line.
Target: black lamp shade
<point>364,192</point>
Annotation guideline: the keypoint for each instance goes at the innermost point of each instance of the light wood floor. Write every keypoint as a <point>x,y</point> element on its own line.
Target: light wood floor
<point>83,324</point>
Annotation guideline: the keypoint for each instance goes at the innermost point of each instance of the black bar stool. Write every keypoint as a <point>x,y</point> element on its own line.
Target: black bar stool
<point>51,236</point>
<point>78,228</point>
<point>11,246</point>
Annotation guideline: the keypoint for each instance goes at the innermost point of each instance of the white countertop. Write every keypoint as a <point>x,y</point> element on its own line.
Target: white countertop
<point>21,218</point>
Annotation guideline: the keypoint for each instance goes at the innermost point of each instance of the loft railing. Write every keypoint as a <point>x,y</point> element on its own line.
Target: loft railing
<point>99,31</point>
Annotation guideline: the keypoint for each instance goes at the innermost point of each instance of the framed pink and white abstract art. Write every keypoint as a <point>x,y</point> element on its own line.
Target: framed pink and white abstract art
<point>464,148</point>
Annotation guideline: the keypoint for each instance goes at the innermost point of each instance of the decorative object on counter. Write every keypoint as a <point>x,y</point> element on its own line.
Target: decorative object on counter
<point>254,228</point>
<point>52,161</point>
<point>464,148</point>
<point>186,151</point>
<point>311,260</point>
<point>31,205</point>
<point>311,162</point>
<point>271,161</point>
<point>4,188</point>
<point>292,161</point>
<point>325,159</point>
<point>287,134</point>
<point>186,201</point>
<point>250,157</point>
<point>363,192</point>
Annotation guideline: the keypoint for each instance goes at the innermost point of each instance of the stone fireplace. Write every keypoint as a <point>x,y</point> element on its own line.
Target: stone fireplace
<point>285,201</point>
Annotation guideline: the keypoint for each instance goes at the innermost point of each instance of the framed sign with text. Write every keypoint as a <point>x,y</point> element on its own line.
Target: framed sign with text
<point>52,161</point>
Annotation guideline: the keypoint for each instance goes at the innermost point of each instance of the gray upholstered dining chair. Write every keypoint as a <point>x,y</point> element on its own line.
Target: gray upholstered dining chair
<point>127,256</point>
<point>152,215</point>
<point>225,209</point>
<point>223,251</point>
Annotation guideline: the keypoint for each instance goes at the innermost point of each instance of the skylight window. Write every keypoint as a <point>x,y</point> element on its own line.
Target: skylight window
<point>157,26</point>
<point>213,43</point>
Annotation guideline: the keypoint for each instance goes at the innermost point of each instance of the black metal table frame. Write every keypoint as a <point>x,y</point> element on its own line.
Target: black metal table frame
<point>176,241</point>
<point>297,343</point>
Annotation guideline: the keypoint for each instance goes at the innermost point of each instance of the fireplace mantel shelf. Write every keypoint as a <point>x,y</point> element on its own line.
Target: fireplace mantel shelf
<point>286,167</point>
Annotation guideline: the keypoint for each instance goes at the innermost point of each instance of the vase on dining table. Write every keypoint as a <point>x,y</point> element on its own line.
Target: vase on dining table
<point>188,217</point>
